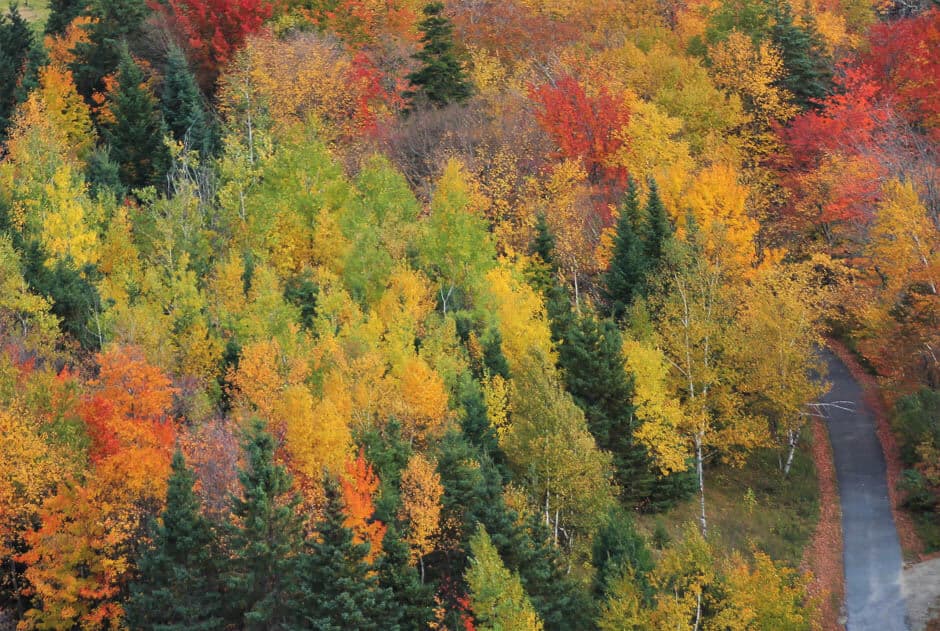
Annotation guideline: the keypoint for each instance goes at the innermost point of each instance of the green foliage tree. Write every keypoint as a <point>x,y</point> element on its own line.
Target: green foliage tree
<point>16,44</point>
<point>620,550</point>
<point>658,229</point>
<point>411,607</point>
<point>497,598</point>
<point>179,579</point>
<point>808,67</point>
<point>61,14</point>
<point>264,540</point>
<point>115,24</point>
<point>338,589</point>
<point>182,105</point>
<point>626,275</point>
<point>441,78</point>
<point>136,133</point>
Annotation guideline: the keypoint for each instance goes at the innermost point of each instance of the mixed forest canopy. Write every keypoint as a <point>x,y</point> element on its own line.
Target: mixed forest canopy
<point>361,314</point>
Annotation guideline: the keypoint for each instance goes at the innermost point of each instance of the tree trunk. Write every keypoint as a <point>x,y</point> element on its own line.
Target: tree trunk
<point>701,482</point>
<point>793,438</point>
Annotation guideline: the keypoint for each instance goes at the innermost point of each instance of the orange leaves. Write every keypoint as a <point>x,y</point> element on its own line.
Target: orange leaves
<point>584,127</point>
<point>358,486</point>
<point>135,388</point>
<point>421,493</point>
<point>424,401</point>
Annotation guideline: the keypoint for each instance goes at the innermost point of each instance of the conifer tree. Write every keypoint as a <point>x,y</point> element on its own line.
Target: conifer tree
<point>182,105</point>
<point>411,606</point>
<point>808,67</point>
<point>338,589</point>
<point>619,549</point>
<point>497,598</point>
<point>543,276</point>
<point>658,227</point>
<point>625,277</point>
<point>264,540</point>
<point>179,585</point>
<point>441,78</point>
<point>16,44</point>
<point>115,25</point>
<point>61,14</point>
<point>136,133</point>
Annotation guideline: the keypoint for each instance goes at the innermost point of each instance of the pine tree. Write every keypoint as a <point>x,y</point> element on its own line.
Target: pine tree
<point>619,549</point>
<point>265,541</point>
<point>178,588</point>
<point>412,602</point>
<point>182,105</point>
<point>115,25</point>
<point>543,277</point>
<point>16,44</point>
<point>591,358</point>
<point>625,278</point>
<point>441,78</point>
<point>497,598</point>
<point>808,73</point>
<point>339,590</point>
<point>136,133</point>
<point>658,228</point>
<point>61,14</point>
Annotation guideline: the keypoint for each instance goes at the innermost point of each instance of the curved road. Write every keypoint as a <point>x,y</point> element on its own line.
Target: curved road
<point>872,553</point>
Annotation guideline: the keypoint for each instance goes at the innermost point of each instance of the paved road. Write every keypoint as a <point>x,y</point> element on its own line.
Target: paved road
<point>872,553</point>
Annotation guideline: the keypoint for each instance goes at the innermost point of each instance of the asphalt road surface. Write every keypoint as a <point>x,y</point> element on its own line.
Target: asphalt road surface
<point>872,553</point>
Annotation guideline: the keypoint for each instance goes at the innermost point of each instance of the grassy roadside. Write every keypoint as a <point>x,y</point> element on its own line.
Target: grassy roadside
<point>754,506</point>
<point>35,11</point>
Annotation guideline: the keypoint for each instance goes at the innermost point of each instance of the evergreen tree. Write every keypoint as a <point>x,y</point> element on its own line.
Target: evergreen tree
<point>16,44</point>
<point>441,78</point>
<point>339,591</point>
<point>412,601</point>
<point>115,25</point>
<point>618,549</point>
<point>543,277</point>
<point>265,541</point>
<point>136,133</point>
<point>658,228</point>
<point>388,453</point>
<point>808,67</point>
<point>591,358</point>
<point>182,105</point>
<point>625,278</point>
<point>497,597</point>
<point>475,422</point>
<point>61,14</point>
<point>178,588</point>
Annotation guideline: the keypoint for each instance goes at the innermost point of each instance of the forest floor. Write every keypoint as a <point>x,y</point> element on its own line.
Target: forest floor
<point>35,11</point>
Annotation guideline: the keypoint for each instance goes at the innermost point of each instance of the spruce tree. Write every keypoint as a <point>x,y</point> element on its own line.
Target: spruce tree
<point>182,105</point>
<point>658,227</point>
<point>591,358</point>
<point>61,14</point>
<point>115,25</point>
<point>264,540</point>
<point>619,548</point>
<point>543,277</point>
<point>412,601</point>
<point>808,69</point>
<point>178,588</point>
<point>136,134</point>
<point>338,589</point>
<point>625,278</point>
<point>16,44</point>
<point>441,78</point>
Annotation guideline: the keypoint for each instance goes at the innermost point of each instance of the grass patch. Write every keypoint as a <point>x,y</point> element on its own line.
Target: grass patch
<point>754,506</point>
<point>927,526</point>
<point>34,11</point>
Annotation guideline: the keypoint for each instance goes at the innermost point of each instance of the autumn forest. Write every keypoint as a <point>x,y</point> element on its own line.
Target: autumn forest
<point>502,315</point>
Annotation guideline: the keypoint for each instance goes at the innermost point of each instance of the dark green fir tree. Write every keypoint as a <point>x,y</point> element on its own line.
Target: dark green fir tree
<point>441,79</point>
<point>618,548</point>
<point>658,226</point>
<point>61,14</point>
<point>179,584</point>
<point>136,134</point>
<point>182,104</point>
<point>625,278</point>
<point>808,67</point>
<point>115,25</point>
<point>16,45</point>
<point>411,601</point>
<point>265,541</point>
<point>339,590</point>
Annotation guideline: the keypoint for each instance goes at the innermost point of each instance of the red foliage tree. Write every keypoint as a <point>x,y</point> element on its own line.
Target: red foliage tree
<point>214,29</point>
<point>905,57</point>
<point>359,485</point>
<point>584,127</point>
